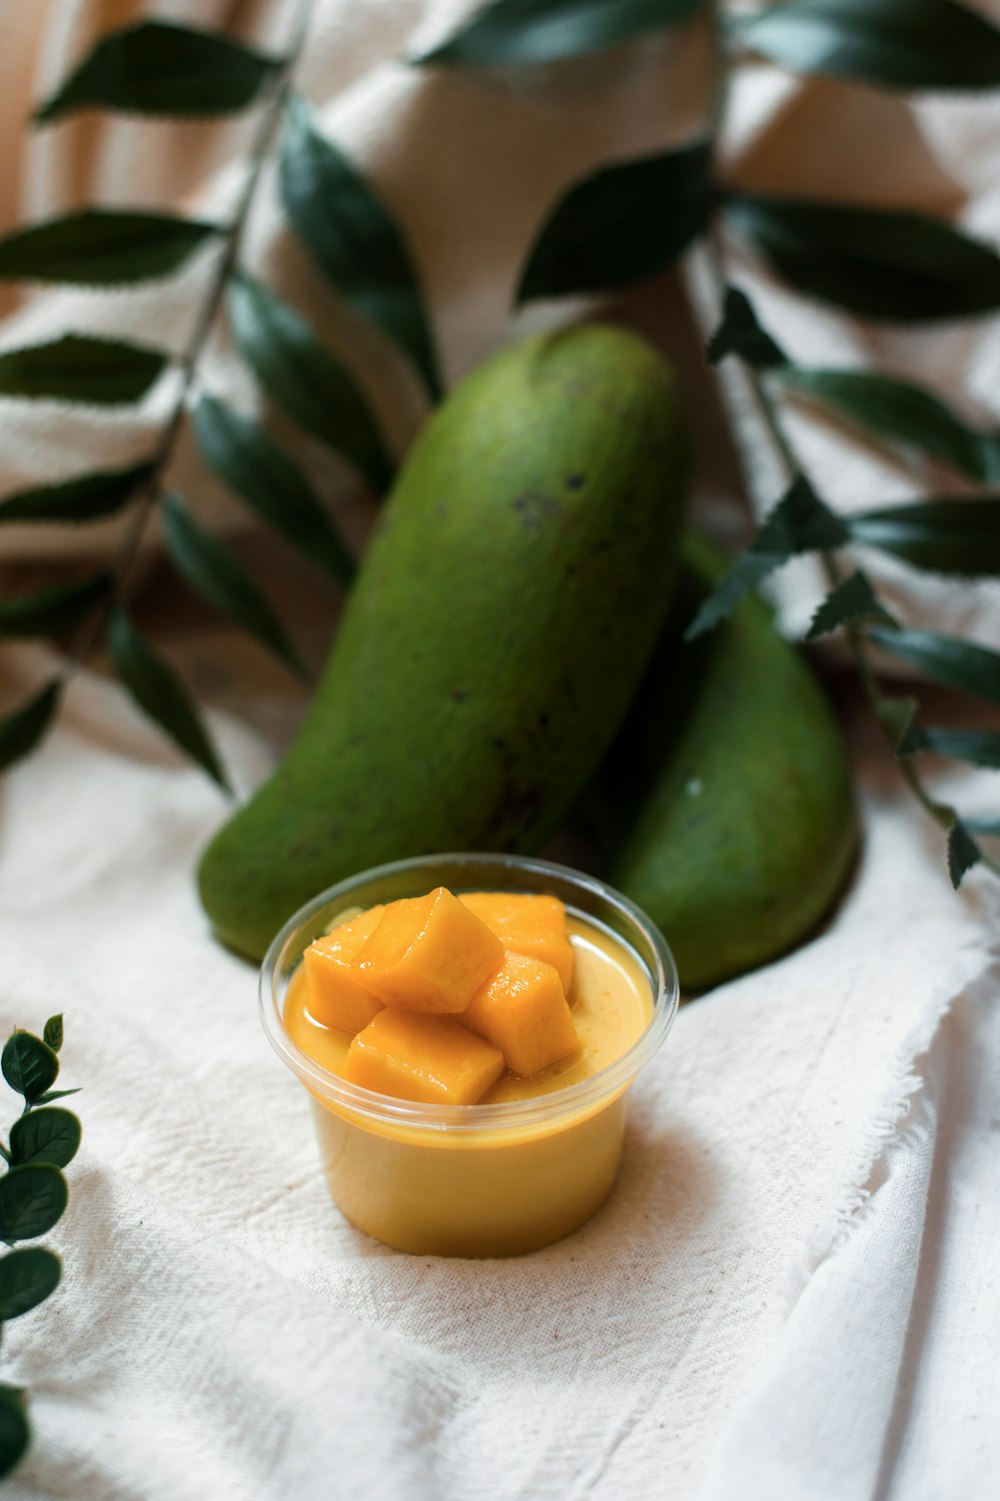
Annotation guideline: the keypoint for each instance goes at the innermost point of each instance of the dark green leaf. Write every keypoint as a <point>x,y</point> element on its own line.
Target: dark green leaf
<point>356,242</point>
<point>740,333</point>
<point>27,1278</point>
<point>89,498</point>
<point>51,1135</point>
<point>21,731</point>
<point>53,1032</point>
<point>31,1200</point>
<point>963,852</point>
<point>50,612</point>
<point>213,572</point>
<point>270,482</point>
<point>543,31</point>
<point>621,224</point>
<point>905,44</point>
<point>852,600</point>
<point>946,659</point>
<point>100,372</point>
<point>978,747</point>
<point>898,266</point>
<point>800,522</point>
<point>15,1435</point>
<point>305,381</point>
<point>157,68</point>
<point>29,1065</point>
<point>899,716</point>
<point>158,690</point>
<point>990,826</point>
<point>56,1094</point>
<point>902,412</point>
<point>100,247</point>
<point>948,536</point>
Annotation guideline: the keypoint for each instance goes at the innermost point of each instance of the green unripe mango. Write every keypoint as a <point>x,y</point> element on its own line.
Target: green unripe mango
<point>495,635</point>
<point>726,798</point>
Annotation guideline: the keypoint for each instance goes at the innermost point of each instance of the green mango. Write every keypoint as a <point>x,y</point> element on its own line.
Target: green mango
<point>495,635</point>
<point>726,800</point>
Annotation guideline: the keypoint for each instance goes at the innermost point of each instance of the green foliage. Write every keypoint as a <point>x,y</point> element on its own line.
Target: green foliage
<point>22,729</point>
<point>958,535</point>
<point>50,612</point>
<point>359,248</point>
<point>740,333</point>
<point>510,32</point>
<point>100,248</point>
<point>33,1195</point>
<point>91,497</point>
<point>157,68</point>
<point>963,851</point>
<point>621,224</point>
<point>946,659</point>
<point>98,372</point>
<point>906,44</point>
<point>849,602</point>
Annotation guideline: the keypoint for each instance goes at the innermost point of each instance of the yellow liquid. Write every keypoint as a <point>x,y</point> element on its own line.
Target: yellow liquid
<point>498,1192</point>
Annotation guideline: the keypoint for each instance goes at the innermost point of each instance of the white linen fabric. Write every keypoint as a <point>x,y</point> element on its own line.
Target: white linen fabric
<point>807,1138</point>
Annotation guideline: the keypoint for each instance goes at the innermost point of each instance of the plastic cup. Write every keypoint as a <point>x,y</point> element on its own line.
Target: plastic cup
<point>471,1180</point>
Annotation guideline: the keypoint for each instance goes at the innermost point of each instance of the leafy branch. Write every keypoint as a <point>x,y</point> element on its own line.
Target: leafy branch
<point>33,1195</point>
<point>166,70</point>
<point>632,218</point>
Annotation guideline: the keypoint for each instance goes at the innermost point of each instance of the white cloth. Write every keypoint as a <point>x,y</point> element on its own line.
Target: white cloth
<point>220,1331</point>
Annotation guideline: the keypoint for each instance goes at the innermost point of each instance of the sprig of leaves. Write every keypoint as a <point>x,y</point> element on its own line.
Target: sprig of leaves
<point>167,70</point>
<point>33,1195</point>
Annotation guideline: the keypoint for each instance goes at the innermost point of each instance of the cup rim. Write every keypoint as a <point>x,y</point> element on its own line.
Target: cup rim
<point>502,1115</point>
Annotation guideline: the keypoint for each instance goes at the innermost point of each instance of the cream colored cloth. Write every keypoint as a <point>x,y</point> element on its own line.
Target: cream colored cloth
<point>220,1330</point>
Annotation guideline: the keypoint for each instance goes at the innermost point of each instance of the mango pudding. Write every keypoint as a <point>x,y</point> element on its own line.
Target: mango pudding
<point>468,1052</point>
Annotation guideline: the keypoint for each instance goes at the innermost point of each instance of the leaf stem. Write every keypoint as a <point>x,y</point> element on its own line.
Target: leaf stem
<point>187,365</point>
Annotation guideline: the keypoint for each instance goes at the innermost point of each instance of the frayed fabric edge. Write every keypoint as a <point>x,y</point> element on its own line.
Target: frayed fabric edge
<point>896,1111</point>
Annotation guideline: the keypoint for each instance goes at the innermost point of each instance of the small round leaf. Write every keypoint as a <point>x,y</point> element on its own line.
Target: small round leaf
<point>51,1136</point>
<point>15,1434</point>
<point>27,1277</point>
<point>29,1064</point>
<point>31,1200</point>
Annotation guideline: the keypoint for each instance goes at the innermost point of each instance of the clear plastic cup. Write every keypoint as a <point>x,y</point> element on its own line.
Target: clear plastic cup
<point>471,1180</point>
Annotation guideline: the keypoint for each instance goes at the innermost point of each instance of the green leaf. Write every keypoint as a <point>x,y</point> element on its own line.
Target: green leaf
<point>56,1094</point>
<point>51,1135</point>
<point>902,267</point>
<point>213,572</point>
<point>990,826</point>
<point>963,852</point>
<point>899,715</point>
<point>356,242</point>
<point>91,497</point>
<point>53,1032</point>
<point>15,1435</point>
<point>51,612</point>
<point>620,225</point>
<point>304,380</point>
<point>31,1200</point>
<point>158,690</point>
<point>945,659</point>
<point>157,68</point>
<point>978,747</point>
<point>800,522</point>
<point>960,535</point>
<point>741,334</point>
<point>511,32</point>
<point>27,1278</point>
<point>100,372</point>
<point>271,483</point>
<point>22,730</point>
<point>904,44</point>
<point>100,247</point>
<point>29,1065</point>
<point>902,412</point>
<point>851,601</point>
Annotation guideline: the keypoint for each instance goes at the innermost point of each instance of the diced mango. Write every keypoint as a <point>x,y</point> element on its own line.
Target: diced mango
<point>336,996</point>
<point>528,924</point>
<point>523,1011</point>
<point>429,953</point>
<point>433,1059</point>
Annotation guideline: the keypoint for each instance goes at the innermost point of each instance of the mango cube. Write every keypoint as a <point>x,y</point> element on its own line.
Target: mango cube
<point>528,924</point>
<point>429,953</point>
<point>523,1011</point>
<point>335,995</point>
<point>433,1059</point>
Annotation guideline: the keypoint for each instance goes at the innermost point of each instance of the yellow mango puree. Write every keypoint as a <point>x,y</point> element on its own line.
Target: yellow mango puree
<point>436,1189</point>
